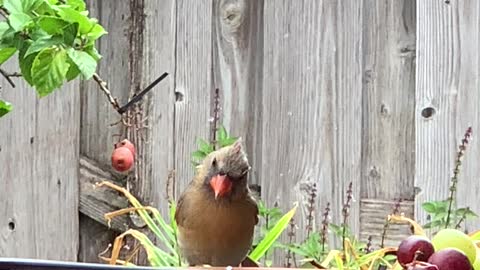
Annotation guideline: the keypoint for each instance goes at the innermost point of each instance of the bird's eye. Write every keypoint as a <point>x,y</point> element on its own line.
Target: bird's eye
<point>214,162</point>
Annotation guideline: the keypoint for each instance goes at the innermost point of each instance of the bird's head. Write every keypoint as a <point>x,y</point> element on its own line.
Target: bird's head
<point>227,170</point>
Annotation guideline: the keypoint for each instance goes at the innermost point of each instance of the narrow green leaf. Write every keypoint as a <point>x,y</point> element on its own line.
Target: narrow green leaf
<point>19,20</point>
<point>272,235</point>
<point>5,107</point>
<point>43,43</point>
<point>52,25</point>
<point>85,63</point>
<point>6,53</point>
<point>49,70</point>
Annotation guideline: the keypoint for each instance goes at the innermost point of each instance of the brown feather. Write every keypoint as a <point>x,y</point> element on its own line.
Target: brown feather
<point>216,232</point>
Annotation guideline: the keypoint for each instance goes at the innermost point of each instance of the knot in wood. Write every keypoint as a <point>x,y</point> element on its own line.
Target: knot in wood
<point>233,15</point>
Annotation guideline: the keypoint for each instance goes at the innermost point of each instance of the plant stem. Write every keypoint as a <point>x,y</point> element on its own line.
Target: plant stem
<point>8,76</point>
<point>456,172</point>
<point>386,225</point>
<point>345,214</point>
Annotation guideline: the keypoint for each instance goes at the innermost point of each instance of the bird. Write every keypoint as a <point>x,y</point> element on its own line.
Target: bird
<point>216,214</point>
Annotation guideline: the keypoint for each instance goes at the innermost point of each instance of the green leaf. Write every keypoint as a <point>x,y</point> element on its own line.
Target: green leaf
<point>71,15</point>
<point>272,235</point>
<point>93,52</point>
<point>43,43</point>
<point>49,70</point>
<point>52,25</point>
<point>85,63</point>
<point>227,141</point>
<point>204,146</point>
<point>70,33</point>
<point>21,6</point>
<point>429,207</point>
<point>3,28</point>
<point>221,133</point>
<point>13,6</point>
<point>5,107</point>
<point>26,64</point>
<point>78,5</point>
<point>6,53</point>
<point>19,20</point>
<point>96,32</point>
<point>199,155</point>
<point>73,71</point>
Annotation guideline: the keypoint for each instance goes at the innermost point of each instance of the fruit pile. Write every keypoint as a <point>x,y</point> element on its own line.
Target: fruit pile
<point>123,156</point>
<point>449,249</point>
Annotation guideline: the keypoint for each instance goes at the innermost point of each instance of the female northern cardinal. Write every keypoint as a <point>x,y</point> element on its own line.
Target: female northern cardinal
<point>216,214</point>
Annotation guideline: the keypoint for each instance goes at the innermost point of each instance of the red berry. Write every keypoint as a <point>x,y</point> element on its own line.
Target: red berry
<point>126,143</point>
<point>122,159</point>
<point>414,247</point>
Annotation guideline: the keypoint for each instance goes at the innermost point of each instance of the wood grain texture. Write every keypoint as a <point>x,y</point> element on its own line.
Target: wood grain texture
<point>447,82</point>
<point>237,66</point>
<point>193,81</point>
<point>93,237</point>
<point>96,202</point>
<point>311,124</point>
<point>38,179</point>
<point>373,215</point>
<point>388,138</point>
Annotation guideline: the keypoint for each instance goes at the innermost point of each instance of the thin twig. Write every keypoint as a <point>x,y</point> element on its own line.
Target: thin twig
<point>4,12</point>
<point>8,76</point>
<point>103,86</point>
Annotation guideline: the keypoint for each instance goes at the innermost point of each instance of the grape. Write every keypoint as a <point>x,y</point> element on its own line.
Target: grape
<point>422,266</point>
<point>414,247</point>
<point>451,238</point>
<point>450,259</point>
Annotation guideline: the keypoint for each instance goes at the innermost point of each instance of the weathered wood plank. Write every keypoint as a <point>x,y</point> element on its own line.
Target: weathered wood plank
<point>447,88</point>
<point>92,237</point>
<point>39,157</point>
<point>373,215</point>
<point>388,143</point>
<point>97,134</point>
<point>237,66</point>
<point>388,137</point>
<point>193,83</point>
<point>96,202</point>
<point>311,124</point>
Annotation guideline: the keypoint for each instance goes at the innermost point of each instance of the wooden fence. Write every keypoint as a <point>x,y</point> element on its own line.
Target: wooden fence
<point>377,93</point>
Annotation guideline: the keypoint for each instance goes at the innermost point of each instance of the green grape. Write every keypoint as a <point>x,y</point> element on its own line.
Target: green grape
<point>451,238</point>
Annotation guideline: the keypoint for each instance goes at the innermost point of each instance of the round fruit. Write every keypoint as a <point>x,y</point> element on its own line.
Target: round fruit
<point>451,238</point>
<point>476,264</point>
<point>414,247</point>
<point>422,266</point>
<point>122,159</point>
<point>126,143</point>
<point>450,259</point>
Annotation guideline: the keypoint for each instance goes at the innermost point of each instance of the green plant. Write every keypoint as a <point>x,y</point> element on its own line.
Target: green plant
<point>55,41</point>
<point>269,217</point>
<point>443,212</point>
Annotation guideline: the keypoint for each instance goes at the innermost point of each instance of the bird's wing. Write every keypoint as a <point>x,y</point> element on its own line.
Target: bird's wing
<point>251,202</point>
<point>181,206</point>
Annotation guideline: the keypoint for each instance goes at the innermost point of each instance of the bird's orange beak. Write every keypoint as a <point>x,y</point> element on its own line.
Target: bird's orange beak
<point>221,185</point>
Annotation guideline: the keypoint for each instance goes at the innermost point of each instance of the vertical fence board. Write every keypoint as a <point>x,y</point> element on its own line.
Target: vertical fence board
<point>311,123</point>
<point>193,85</point>
<point>388,138</point>
<point>38,179</point>
<point>97,113</point>
<point>447,85</point>
<point>238,69</point>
